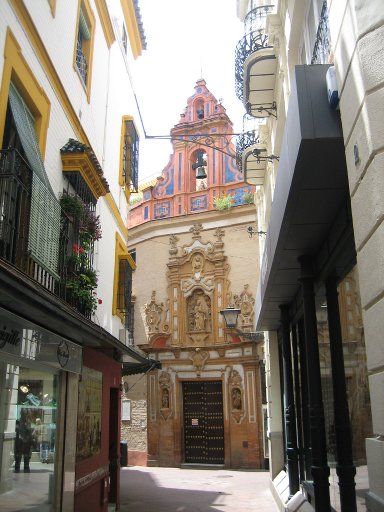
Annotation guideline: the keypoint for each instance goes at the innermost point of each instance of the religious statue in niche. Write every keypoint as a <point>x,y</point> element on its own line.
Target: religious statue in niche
<point>165,384</point>
<point>235,382</point>
<point>245,302</point>
<point>165,399</point>
<point>197,262</point>
<point>236,399</point>
<point>199,312</point>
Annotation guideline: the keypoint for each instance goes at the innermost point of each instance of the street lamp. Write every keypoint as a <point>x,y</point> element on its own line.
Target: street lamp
<point>230,315</point>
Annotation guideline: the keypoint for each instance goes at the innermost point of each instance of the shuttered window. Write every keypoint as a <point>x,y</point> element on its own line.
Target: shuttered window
<point>44,229</point>
<point>131,156</point>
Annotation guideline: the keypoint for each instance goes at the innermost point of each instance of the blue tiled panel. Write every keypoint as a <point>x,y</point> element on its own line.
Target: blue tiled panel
<point>147,195</point>
<point>238,194</point>
<point>162,210</point>
<point>230,171</point>
<point>199,203</point>
<point>145,212</point>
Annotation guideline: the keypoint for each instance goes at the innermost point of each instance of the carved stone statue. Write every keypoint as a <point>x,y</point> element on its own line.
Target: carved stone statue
<point>200,315</point>
<point>236,399</point>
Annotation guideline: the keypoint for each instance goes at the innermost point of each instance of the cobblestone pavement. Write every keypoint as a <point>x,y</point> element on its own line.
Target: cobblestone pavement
<point>146,489</point>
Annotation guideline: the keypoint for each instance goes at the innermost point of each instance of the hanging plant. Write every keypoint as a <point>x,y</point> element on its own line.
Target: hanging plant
<point>72,206</point>
<point>90,228</point>
<point>82,281</point>
<point>80,278</point>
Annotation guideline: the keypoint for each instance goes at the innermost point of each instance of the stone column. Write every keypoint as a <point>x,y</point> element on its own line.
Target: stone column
<point>319,468</point>
<point>345,469</point>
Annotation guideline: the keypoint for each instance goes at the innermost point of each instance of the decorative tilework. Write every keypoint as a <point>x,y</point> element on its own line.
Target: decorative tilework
<point>238,194</point>
<point>199,203</point>
<point>162,210</point>
<point>145,212</point>
<point>230,170</point>
<point>147,195</point>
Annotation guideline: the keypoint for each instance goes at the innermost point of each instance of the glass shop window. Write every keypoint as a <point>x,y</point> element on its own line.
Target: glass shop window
<point>28,408</point>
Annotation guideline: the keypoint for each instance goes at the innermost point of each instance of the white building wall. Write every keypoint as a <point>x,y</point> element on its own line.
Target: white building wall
<point>357,29</point>
<point>111,98</point>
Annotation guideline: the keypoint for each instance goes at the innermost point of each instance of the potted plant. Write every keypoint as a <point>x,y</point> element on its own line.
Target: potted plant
<point>223,202</point>
<point>72,206</point>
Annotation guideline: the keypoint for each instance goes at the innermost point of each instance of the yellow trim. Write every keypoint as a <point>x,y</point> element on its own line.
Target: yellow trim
<point>132,27</point>
<point>83,164</point>
<point>52,5</point>
<point>121,253</point>
<point>117,215</point>
<point>17,70</point>
<point>87,45</point>
<point>105,21</point>
<point>42,54</point>
<point>36,42</point>
<point>122,183</point>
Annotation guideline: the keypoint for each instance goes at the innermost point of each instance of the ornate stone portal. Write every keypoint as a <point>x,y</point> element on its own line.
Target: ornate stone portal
<point>200,354</point>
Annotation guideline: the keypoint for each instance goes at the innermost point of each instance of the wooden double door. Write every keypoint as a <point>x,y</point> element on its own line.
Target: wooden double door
<point>203,422</point>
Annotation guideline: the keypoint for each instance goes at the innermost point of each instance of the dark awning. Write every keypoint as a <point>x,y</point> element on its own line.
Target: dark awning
<point>30,301</point>
<point>144,367</point>
<point>310,212</point>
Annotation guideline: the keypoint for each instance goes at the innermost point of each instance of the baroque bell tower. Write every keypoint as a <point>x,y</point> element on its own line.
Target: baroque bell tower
<point>201,167</point>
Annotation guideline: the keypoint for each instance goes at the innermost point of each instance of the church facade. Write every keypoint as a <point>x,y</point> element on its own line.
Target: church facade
<point>205,405</point>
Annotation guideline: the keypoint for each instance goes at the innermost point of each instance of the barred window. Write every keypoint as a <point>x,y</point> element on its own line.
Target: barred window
<point>130,163</point>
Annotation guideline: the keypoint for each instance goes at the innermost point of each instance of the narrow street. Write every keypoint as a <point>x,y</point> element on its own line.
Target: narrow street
<point>145,489</point>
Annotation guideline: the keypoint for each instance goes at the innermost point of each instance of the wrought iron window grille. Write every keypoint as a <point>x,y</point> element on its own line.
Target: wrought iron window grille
<point>131,157</point>
<point>81,61</point>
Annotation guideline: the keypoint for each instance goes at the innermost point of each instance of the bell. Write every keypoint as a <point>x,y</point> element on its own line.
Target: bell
<point>201,175</point>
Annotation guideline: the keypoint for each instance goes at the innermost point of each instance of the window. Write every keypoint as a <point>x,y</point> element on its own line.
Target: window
<point>129,171</point>
<point>124,38</point>
<point>122,295</point>
<point>84,44</point>
<point>24,117</point>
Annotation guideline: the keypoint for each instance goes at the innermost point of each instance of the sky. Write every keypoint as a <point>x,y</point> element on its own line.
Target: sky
<point>186,40</point>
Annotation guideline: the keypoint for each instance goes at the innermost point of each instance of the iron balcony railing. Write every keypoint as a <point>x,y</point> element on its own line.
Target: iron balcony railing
<point>255,39</point>
<point>322,47</point>
<point>15,207</point>
<point>248,137</point>
<point>15,200</point>
<point>243,142</point>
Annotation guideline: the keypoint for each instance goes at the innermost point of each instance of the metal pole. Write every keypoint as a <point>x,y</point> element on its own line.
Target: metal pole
<point>319,469</point>
<point>289,403</point>
<point>345,468</point>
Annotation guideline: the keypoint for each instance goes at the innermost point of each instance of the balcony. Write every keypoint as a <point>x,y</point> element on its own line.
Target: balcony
<point>255,65</point>
<point>250,152</point>
<point>16,219</point>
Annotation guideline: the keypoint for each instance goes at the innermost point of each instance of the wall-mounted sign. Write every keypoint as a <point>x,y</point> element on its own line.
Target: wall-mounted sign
<point>126,410</point>
<point>195,422</point>
<point>21,338</point>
